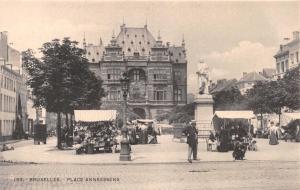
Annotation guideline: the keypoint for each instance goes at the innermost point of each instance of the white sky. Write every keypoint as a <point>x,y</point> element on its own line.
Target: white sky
<point>231,37</point>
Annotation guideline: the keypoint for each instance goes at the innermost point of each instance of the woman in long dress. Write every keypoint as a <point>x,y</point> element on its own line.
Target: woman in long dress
<point>273,135</point>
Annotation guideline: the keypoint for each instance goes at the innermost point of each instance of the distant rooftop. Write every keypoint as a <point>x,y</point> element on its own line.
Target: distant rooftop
<point>252,77</point>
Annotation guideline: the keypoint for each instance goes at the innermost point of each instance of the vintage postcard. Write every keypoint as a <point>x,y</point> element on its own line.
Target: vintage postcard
<point>149,95</point>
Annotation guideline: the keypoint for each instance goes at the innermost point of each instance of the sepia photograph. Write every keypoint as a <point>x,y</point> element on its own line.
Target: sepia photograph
<point>149,95</point>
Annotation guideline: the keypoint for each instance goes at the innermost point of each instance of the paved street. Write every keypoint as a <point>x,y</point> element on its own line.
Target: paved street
<point>206,175</point>
<point>160,166</point>
<point>168,150</point>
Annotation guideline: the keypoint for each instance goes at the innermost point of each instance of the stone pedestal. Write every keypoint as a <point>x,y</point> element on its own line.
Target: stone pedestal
<point>204,114</point>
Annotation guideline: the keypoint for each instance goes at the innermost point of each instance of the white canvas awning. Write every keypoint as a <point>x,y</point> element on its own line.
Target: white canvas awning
<point>145,120</point>
<point>288,117</point>
<point>95,115</point>
<point>246,114</point>
<point>293,116</point>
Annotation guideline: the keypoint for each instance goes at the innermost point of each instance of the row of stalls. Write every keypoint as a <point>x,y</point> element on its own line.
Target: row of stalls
<point>231,127</point>
<point>291,126</point>
<point>95,131</point>
<point>143,131</point>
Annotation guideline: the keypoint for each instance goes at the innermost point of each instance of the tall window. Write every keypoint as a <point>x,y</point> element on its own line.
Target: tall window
<point>159,95</point>
<point>177,75</point>
<point>113,74</point>
<point>178,95</point>
<point>282,66</point>
<point>160,75</point>
<point>136,75</point>
<point>114,94</point>
<point>297,57</point>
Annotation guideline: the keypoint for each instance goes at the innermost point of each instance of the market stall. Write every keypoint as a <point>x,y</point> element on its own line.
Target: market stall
<point>291,126</point>
<point>95,131</point>
<point>231,126</point>
<point>144,131</point>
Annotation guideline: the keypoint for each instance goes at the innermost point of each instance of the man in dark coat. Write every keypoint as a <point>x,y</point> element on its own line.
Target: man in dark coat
<point>192,140</point>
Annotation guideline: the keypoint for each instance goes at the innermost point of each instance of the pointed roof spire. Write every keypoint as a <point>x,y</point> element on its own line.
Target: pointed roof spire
<point>83,41</point>
<point>183,42</point>
<point>113,40</point>
<point>100,42</point>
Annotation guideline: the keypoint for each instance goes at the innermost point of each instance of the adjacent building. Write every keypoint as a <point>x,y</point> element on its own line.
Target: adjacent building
<point>13,90</point>
<point>249,80</point>
<point>288,56</point>
<point>157,71</point>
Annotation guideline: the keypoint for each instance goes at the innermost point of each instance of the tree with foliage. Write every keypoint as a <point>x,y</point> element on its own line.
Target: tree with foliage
<point>272,96</point>
<point>256,97</point>
<point>61,80</point>
<point>291,84</point>
<point>180,114</point>
<point>230,99</point>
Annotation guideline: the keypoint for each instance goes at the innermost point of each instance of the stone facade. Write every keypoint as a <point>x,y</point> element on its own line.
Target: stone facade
<point>288,56</point>
<point>157,71</point>
<point>12,89</point>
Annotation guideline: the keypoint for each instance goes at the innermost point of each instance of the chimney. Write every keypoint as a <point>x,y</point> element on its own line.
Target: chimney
<point>296,35</point>
<point>281,47</point>
<point>244,74</point>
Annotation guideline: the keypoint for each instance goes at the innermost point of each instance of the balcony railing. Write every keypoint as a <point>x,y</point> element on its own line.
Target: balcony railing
<point>159,58</point>
<point>113,58</point>
<point>137,58</point>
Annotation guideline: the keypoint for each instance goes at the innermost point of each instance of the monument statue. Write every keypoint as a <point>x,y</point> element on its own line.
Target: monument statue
<point>204,102</point>
<point>203,78</point>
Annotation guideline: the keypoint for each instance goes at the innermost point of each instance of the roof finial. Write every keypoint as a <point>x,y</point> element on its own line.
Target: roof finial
<point>146,24</point>
<point>100,43</point>
<point>113,35</point>
<point>183,42</point>
<point>83,41</point>
<point>158,38</point>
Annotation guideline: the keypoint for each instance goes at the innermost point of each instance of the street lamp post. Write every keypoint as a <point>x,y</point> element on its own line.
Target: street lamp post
<point>125,146</point>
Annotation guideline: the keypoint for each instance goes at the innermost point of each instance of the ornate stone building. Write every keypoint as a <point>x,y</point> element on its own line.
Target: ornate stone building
<point>157,71</point>
<point>288,57</point>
